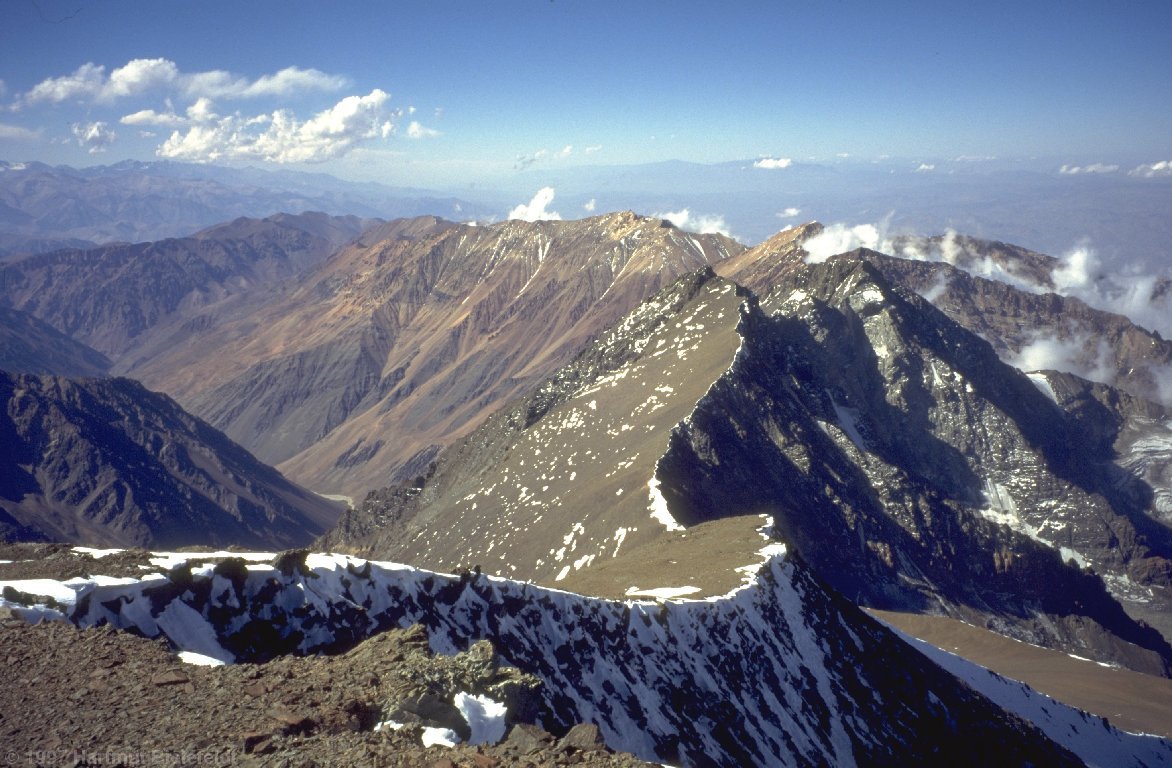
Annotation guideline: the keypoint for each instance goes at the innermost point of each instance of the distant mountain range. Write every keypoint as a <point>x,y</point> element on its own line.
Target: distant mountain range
<point>45,208</point>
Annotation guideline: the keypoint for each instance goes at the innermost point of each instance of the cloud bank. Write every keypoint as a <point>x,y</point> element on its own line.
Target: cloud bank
<point>773,163</point>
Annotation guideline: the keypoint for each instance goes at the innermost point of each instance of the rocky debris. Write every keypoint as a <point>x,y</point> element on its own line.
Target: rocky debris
<point>98,696</point>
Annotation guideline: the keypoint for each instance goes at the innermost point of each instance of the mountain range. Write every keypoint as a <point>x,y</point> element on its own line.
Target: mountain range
<point>619,408</point>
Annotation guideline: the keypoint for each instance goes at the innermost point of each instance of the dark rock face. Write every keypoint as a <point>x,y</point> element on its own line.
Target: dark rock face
<point>912,468</point>
<point>107,462</point>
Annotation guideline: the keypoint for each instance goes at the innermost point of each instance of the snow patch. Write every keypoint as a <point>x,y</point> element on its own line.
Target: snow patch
<point>659,510</point>
<point>485,717</point>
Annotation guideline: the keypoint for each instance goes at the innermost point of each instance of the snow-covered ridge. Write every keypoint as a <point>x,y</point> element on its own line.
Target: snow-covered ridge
<point>776,672</point>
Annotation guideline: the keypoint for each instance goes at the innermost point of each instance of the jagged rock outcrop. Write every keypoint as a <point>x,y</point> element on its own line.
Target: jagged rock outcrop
<point>107,462</point>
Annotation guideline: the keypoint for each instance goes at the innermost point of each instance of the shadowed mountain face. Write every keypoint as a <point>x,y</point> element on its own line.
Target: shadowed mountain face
<point>29,345</point>
<point>898,456</point>
<point>105,462</point>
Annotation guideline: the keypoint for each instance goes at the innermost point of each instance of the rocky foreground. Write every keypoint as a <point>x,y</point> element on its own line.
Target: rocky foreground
<point>103,697</point>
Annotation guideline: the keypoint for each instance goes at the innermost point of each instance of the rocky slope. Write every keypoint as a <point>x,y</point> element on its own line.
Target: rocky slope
<point>778,672</point>
<point>107,462</point>
<point>404,341</point>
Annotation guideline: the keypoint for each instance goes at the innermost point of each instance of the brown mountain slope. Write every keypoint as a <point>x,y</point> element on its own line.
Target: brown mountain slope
<point>410,337</point>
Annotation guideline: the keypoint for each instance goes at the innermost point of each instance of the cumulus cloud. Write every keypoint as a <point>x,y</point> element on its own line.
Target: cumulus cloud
<point>1075,170</point>
<point>417,131</point>
<point>1153,170</point>
<point>789,213</point>
<point>94,137</point>
<point>705,224</point>
<point>280,137</point>
<point>773,163</point>
<point>589,205</point>
<point>925,168</point>
<point>89,82</point>
<point>592,148</point>
<point>840,238</point>
<point>537,209</point>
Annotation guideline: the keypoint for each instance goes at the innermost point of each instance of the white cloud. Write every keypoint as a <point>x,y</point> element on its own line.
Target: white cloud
<point>95,137</point>
<point>1067,355</point>
<point>538,208</point>
<point>86,81</point>
<point>1075,272</point>
<point>925,168</point>
<point>138,76</point>
<point>773,163</point>
<point>789,213</point>
<point>17,133</point>
<point>1152,170</point>
<point>839,238</point>
<point>285,82</point>
<point>592,148</point>
<point>705,224</point>
<point>151,117</point>
<point>589,205</point>
<point>283,138</point>
<point>417,131</point>
<point>1074,170</point>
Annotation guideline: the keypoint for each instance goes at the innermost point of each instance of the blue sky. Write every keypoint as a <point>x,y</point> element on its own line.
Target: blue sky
<point>441,92</point>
